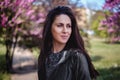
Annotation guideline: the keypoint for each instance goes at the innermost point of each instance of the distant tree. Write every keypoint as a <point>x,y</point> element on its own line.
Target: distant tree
<point>96,18</point>
<point>111,23</point>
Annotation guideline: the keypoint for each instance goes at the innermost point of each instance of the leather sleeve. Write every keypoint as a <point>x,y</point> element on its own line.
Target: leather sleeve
<point>82,71</point>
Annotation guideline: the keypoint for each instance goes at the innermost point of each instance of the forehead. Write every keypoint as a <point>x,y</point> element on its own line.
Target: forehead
<point>62,18</point>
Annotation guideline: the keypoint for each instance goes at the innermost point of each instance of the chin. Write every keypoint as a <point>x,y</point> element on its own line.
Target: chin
<point>63,42</point>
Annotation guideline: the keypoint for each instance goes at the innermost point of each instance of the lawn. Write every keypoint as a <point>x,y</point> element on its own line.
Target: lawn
<point>106,58</point>
<point>3,74</point>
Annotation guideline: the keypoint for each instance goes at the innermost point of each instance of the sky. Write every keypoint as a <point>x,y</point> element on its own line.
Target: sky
<point>91,4</point>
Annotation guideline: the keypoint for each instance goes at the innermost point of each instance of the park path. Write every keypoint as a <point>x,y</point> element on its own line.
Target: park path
<point>26,76</point>
<point>24,65</point>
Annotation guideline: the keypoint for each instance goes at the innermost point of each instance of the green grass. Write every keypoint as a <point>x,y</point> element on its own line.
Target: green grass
<point>106,58</point>
<point>3,74</point>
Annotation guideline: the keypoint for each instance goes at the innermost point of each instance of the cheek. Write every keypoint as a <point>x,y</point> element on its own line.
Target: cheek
<point>54,32</point>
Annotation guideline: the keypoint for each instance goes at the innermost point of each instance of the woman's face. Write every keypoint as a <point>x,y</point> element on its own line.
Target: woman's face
<point>61,29</point>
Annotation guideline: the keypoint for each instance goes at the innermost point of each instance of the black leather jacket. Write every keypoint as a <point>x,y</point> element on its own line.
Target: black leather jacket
<point>72,66</point>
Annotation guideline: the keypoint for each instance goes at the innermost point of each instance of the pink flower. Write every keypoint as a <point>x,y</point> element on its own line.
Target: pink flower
<point>115,39</point>
<point>4,20</point>
<point>41,15</point>
<point>30,12</point>
<point>110,30</point>
<point>7,2</point>
<point>32,17</point>
<point>41,20</point>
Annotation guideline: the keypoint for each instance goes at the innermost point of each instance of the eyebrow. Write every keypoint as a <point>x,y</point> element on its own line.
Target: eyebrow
<point>63,24</point>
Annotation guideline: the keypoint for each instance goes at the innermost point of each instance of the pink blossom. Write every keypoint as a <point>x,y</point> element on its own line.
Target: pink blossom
<point>7,2</point>
<point>29,1</point>
<point>16,15</point>
<point>32,17</point>
<point>103,22</point>
<point>1,3</point>
<point>30,12</point>
<point>110,30</point>
<point>41,15</point>
<point>35,31</point>
<point>19,29</point>
<point>115,39</point>
<point>4,20</point>
<point>20,11</point>
<point>41,20</point>
<point>18,21</point>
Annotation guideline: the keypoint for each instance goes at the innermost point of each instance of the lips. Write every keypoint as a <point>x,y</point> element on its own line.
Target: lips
<point>64,37</point>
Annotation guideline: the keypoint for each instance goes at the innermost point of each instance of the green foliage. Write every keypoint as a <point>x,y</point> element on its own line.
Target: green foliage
<point>2,32</point>
<point>36,52</point>
<point>3,74</point>
<point>2,56</point>
<point>103,34</point>
<point>85,38</point>
<point>106,58</point>
<point>95,25</point>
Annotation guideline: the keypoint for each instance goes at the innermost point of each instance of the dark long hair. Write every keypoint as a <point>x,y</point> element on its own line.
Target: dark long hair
<point>75,41</point>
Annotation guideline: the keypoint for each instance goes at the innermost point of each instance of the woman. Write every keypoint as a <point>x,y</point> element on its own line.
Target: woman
<point>63,55</point>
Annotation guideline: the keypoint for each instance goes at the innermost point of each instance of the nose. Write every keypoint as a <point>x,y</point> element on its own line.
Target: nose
<point>65,29</point>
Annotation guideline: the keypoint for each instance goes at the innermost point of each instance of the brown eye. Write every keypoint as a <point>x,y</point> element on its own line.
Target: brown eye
<point>59,25</point>
<point>68,26</point>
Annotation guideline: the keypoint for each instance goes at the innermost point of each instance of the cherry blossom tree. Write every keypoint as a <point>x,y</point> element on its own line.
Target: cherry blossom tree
<point>19,18</point>
<point>111,23</point>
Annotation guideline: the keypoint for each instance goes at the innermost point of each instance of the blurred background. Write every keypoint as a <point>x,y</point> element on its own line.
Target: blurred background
<point>21,24</point>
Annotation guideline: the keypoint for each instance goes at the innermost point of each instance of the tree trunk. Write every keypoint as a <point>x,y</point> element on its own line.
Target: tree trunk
<point>8,57</point>
<point>10,47</point>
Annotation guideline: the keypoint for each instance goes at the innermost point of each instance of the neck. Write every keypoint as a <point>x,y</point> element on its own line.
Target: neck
<point>58,47</point>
